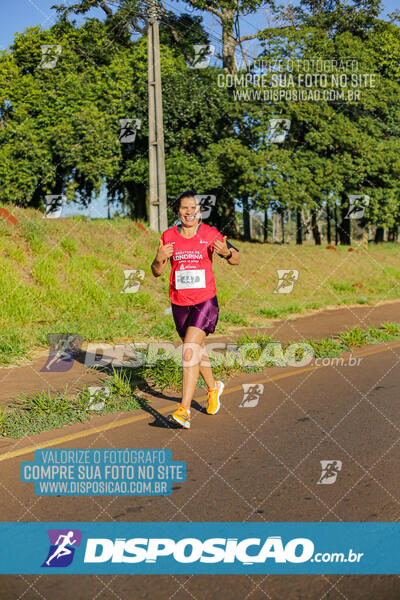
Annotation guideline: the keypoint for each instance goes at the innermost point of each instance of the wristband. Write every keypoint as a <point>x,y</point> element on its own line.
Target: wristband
<point>229,255</point>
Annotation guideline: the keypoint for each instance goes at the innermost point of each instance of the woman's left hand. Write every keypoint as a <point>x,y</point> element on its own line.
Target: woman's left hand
<point>221,248</point>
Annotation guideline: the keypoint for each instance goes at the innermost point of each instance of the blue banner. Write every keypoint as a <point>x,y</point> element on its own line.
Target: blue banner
<point>208,548</point>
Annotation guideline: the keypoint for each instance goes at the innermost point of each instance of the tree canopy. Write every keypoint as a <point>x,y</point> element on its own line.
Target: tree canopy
<point>60,126</point>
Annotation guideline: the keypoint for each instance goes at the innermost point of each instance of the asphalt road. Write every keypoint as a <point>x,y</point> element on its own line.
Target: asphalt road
<point>244,464</point>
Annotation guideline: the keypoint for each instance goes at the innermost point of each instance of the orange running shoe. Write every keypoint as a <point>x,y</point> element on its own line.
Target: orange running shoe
<point>182,416</point>
<point>214,404</point>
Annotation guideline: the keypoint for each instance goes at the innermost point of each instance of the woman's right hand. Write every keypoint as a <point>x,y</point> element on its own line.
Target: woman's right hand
<point>164,252</point>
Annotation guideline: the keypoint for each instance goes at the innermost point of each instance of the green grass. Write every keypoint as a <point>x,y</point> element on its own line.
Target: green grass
<point>327,347</point>
<point>42,411</point>
<point>163,329</point>
<point>341,286</point>
<point>66,275</point>
<point>167,373</point>
<point>357,337</point>
<point>12,346</point>
<point>231,317</point>
<point>273,313</point>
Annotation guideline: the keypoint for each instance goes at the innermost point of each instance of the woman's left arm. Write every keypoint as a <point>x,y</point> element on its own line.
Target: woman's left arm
<point>227,251</point>
<point>235,258</point>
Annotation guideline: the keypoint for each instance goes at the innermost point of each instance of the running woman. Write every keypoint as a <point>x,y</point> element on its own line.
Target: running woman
<point>189,247</point>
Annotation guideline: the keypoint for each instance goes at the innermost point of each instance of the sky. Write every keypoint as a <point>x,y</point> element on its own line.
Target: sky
<point>17,15</point>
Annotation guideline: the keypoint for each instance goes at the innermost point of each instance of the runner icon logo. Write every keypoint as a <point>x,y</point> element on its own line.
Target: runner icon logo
<point>330,470</point>
<point>357,205</point>
<point>62,350</point>
<point>286,280</point>
<point>128,130</point>
<point>206,202</point>
<point>279,129</point>
<point>251,394</point>
<point>63,543</point>
<point>50,54</point>
<point>54,205</point>
<point>133,278</point>
<point>202,56</point>
<point>97,395</point>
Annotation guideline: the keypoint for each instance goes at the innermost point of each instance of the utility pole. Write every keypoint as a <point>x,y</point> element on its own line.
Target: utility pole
<point>157,183</point>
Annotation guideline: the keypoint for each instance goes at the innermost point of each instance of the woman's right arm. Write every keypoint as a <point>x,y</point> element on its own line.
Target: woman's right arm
<point>160,262</point>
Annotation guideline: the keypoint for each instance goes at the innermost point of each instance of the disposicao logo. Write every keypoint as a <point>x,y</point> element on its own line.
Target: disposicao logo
<point>62,547</point>
<point>191,550</point>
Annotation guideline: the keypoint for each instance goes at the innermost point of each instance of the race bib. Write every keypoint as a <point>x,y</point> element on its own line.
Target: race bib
<point>195,278</point>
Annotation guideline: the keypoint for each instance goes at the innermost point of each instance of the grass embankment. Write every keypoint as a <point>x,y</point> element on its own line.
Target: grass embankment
<point>41,412</point>
<point>29,415</point>
<point>66,276</point>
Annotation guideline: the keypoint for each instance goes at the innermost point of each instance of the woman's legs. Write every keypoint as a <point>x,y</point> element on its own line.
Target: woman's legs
<point>206,371</point>
<point>199,363</point>
<point>193,345</point>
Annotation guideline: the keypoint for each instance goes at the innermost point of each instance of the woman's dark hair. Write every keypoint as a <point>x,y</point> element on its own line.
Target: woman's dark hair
<point>186,194</point>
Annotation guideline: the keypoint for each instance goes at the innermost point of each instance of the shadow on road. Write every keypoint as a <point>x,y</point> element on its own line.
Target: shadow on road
<point>138,382</point>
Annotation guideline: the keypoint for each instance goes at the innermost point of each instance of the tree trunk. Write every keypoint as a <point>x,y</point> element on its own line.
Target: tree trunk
<point>393,233</point>
<point>137,200</point>
<point>228,41</point>
<point>344,230</point>
<point>315,229</point>
<point>283,226</point>
<point>328,224</point>
<point>229,220</point>
<point>379,235</point>
<point>336,226</point>
<point>299,227</point>
<point>246,219</point>
<point>140,201</point>
<point>37,198</point>
<point>274,227</point>
<point>265,225</point>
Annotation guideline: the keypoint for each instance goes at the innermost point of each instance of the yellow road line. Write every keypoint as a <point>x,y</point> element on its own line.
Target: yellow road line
<point>379,350</point>
<point>93,430</point>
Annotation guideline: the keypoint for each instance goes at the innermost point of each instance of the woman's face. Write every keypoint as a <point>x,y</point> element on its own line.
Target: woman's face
<point>189,212</point>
